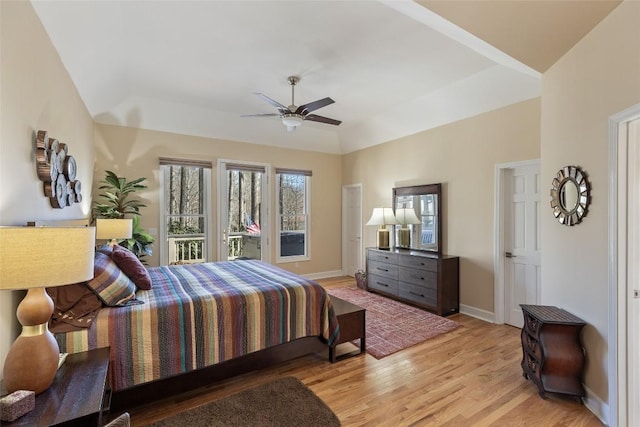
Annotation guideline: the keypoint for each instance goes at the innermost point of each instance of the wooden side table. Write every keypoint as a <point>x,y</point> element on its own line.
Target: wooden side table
<point>552,356</point>
<point>351,319</point>
<point>76,396</point>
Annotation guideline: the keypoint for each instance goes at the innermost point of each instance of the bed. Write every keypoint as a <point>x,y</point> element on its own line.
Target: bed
<point>202,322</point>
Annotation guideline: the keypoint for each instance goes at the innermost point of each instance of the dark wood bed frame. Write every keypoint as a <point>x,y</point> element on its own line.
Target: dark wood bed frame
<point>160,389</point>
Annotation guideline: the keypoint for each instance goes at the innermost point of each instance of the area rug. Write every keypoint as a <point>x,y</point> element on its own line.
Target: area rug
<point>283,402</point>
<point>391,325</point>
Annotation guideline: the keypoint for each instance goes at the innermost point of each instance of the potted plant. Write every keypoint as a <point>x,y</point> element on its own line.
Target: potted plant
<point>114,202</point>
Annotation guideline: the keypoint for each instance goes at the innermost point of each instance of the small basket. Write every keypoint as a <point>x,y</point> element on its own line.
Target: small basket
<point>361,279</point>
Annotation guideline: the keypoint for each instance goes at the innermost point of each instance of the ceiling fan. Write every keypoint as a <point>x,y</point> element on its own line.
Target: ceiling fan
<point>293,116</point>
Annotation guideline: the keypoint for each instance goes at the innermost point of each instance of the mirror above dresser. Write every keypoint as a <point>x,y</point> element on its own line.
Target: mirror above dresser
<point>418,209</point>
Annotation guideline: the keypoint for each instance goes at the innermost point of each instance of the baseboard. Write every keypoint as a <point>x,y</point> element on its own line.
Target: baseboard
<point>478,313</point>
<point>324,275</point>
<point>599,408</point>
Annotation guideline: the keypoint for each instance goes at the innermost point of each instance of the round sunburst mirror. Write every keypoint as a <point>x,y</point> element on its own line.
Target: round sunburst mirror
<point>570,195</point>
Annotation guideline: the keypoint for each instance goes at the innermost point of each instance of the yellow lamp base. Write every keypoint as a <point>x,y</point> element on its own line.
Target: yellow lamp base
<point>383,238</point>
<point>404,237</point>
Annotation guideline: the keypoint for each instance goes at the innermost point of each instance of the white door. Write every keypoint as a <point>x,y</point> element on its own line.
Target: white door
<point>242,211</point>
<point>351,229</point>
<point>521,240</point>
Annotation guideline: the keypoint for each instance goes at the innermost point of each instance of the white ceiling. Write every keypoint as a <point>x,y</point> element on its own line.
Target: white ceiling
<point>393,67</point>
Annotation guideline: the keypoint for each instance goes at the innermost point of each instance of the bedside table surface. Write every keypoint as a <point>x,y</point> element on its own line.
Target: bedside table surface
<point>77,392</point>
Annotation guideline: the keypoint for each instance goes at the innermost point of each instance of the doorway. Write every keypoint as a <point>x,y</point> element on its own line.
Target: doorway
<point>243,198</point>
<point>624,271</point>
<point>517,264</point>
<point>351,229</point>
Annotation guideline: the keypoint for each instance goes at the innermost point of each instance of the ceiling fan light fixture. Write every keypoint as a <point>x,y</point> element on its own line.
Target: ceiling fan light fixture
<point>292,120</point>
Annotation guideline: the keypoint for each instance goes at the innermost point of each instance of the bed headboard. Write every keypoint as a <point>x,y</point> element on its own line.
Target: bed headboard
<point>60,223</point>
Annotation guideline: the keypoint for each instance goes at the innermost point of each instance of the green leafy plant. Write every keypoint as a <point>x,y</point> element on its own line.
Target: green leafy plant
<point>114,202</point>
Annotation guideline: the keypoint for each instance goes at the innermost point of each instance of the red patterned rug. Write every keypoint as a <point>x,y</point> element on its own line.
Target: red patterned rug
<point>391,325</point>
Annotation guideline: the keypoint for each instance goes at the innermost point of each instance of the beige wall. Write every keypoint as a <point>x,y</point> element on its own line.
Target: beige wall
<point>598,78</point>
<point>462,156</point>
<point>35,93</point>
<point>134,153</point>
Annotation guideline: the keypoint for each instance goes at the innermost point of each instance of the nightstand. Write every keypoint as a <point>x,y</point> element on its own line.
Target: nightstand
<point>76,396</point>
<point>351,319</point>
<point>552,355</point>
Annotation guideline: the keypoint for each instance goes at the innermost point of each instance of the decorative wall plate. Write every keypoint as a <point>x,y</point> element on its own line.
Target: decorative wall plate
<point>570,195</point>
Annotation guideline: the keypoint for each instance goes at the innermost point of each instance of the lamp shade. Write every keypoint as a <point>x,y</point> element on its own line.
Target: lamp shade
<point>38,257</point>
<point>406,216</point>
<point>107,228</point>
<point>382,216</point>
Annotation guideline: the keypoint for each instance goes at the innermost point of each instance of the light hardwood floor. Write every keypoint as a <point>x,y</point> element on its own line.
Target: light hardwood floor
<point>468,377</point>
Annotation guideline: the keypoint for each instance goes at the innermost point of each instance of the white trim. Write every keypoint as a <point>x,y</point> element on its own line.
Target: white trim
<point>498,235</point>
<point>478,313</point>
<point>344,228</point>
<point>619,406</point>
<point>596,405</point>
<point>324,275</point>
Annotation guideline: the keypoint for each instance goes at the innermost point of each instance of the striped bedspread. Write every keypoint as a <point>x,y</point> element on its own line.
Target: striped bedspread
<point>198,315</point>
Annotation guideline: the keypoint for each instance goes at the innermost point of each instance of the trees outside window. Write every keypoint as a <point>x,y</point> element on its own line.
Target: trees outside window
<point>293,214</point>
<point>185,190</point>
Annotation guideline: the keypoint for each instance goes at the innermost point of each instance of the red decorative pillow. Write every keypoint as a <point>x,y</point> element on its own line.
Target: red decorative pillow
<point>132,267</point>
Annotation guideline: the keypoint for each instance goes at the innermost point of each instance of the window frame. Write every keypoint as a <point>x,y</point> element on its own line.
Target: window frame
<point>206,208</point>
<point>306,256</point>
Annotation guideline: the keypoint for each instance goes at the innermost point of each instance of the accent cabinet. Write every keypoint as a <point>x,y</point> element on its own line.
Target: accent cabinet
<point>552,356</point>
<point>424,279</point>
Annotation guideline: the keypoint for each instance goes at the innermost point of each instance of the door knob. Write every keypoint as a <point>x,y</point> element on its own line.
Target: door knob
<point>509,255</point>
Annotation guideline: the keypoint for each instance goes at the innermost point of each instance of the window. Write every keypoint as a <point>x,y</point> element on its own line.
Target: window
<point>185,195</point>
<point>292,187</point>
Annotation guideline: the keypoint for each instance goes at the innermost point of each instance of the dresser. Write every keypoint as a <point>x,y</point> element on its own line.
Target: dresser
<point>552,356</point>
<point>424,279</point>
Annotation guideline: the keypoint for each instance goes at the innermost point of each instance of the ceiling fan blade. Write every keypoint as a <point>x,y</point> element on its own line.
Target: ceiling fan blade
<point>261,115</point>
<point>313,106</point>
<point>272,102</point>
<point>321,119</point>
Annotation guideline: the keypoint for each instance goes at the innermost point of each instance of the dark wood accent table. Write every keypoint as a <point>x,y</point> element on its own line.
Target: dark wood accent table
<point>351,319</point>
<point>552,356</point>
<point>76,396</point>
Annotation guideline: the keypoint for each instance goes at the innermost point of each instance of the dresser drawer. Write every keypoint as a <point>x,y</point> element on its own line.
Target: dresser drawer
<point>531,346</point>
<point>425,278</point>
<point>418,294</point>
<point>382,284</point>
<point>532,326</point>
<point>383,269</point>
<point>532,366</point>
<point>382,256</point>
<point>418,262</point>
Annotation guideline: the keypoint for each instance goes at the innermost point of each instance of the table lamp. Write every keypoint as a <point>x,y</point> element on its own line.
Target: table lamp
<point>112,229</point>
<point>382,217</point>
<point>34,258</point>
<point>405,216</point>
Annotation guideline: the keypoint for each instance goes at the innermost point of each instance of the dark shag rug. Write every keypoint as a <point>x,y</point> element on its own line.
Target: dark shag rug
<point>391,325</point>
<point>280,403</point>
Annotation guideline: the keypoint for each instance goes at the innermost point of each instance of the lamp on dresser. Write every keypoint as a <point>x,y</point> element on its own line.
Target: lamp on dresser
<point>406,217</point>
<point>112,229</point>
<point>382,217</point>
<point>32,259</point>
